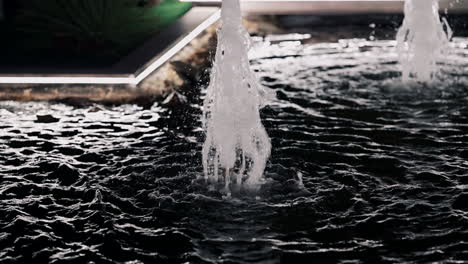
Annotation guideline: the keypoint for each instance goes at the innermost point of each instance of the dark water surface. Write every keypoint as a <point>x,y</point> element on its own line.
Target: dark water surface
<point>384,170</point>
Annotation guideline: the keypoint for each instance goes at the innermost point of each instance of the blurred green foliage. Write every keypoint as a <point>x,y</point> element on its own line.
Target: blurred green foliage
<point>94,28</point>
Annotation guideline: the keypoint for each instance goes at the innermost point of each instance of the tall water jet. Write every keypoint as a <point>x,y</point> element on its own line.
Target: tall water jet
<point>237,145</point>
<point>422,40</point>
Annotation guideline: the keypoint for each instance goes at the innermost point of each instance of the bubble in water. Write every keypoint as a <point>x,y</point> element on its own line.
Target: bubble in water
<point>237,145</point>
<point>422,40</point>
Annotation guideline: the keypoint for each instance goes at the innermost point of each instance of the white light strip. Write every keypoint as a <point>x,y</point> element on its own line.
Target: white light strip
<point>67,80</point>
<point>115,80</point>
<point>207,23</point>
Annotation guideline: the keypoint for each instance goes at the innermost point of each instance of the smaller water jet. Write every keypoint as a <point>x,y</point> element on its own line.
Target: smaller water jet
<point>237,144</point>
<point>422,40</point>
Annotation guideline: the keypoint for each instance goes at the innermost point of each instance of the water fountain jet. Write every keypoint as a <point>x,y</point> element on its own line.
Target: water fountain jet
<point>422,40</point>
<point>236,141</point>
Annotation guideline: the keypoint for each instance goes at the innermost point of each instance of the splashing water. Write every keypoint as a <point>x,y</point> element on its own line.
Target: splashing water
<point>422,40</point>
<point>237,144</point>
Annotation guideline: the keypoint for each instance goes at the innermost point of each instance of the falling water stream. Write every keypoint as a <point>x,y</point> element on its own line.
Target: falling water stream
<point>422,40</point>
<point>236,141</point>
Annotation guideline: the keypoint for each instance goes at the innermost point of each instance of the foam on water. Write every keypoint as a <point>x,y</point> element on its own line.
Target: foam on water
<point>422,39</point>
<point>237,144</point>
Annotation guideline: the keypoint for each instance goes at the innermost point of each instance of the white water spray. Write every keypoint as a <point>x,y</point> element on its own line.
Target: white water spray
<point>422,40</point>
<point>237,145</point>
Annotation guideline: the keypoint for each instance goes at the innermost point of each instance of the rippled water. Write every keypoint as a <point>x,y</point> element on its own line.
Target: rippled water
<point>363,170</point>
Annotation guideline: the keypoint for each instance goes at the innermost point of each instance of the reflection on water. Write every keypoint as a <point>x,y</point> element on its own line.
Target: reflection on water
<point>363,169</point>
